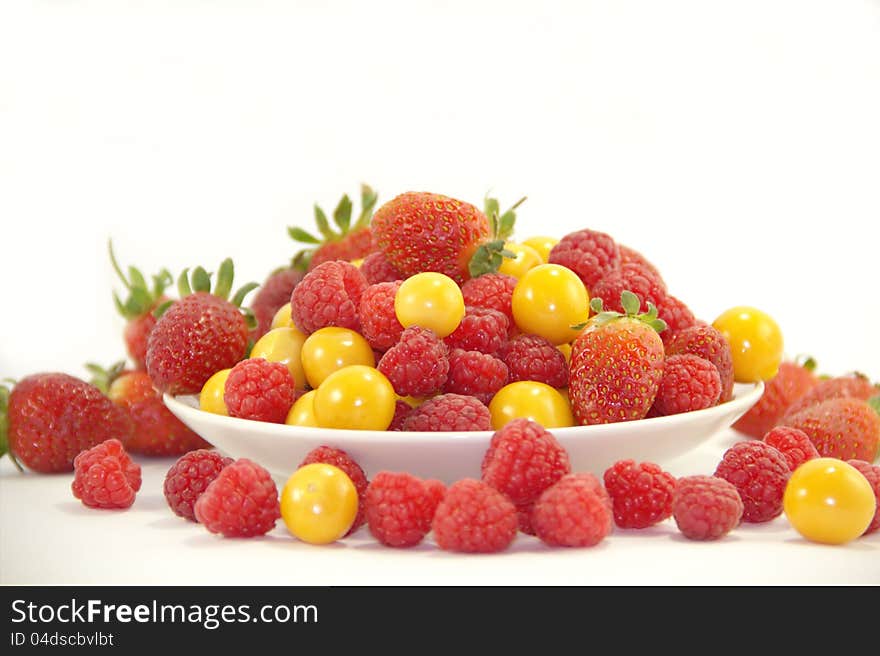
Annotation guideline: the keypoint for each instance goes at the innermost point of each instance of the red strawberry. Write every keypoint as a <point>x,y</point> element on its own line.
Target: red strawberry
<point>791,382</point>
<point>49,418</point>
<point>351,242</point>
<point>616,364</point>
<point>856,386</point>
<point>137,309</point>
<point>200,334</point>
<point>428,232</point>
<point>844,428</point>
<point>271,295</point>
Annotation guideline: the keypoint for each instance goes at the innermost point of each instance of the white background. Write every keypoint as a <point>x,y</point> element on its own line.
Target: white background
<point>735,144</point>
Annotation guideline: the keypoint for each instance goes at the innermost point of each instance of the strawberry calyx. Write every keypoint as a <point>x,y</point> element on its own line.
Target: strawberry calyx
<point>874,402</point>
<point>342,216</point>
<point>4,428</point>
<point>142,298</point>
<point>631,306</point>
<point>103,377</point>
<point>489,256</point>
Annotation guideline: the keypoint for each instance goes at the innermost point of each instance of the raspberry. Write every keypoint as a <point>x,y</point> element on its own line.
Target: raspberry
<point>449,412</point>
<point>105,477</point>
<point>328,295</point>
<point>590,254</point>
<point>872,473</point>
<point>474,518</point>
<point>759,473</point>
<point>400,508</point>
<point>493,291</point>
<point>676,314</point>
<point>241,502</point>
<point>523,460</point>
<point>524,518</point>
<point>418,364</point>
<point>402,410</point>
<point>475,374</point>
<point>531,357</point>
<point>706,507</point>
<point>641,494</point>
<point>271,295</point>
<point>629,277</point>
<point>574,512</point>
<point>376,268</point>
<point>436,490</point>
<point>707,342</point>
<point>689,383</point>
<point>630,256</point>
<point>260,390</point>
<point>379,323</point>
<point>329,455</point>
<point>481,329</point>
<point>793,443</point>
<point>189,477</point>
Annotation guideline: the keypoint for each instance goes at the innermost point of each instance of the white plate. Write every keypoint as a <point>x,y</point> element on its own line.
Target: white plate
<point>450,456</point>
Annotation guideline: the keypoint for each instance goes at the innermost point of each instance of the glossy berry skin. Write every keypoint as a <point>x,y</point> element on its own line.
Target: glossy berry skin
<point>573,512</point>
<point>189,477</point>
<point>356,397</point>
<point>759,473</point>
<point>136,334</point>
<point>841,387</point>
<point>329,295</point>
<point>211,396</point>
<point>706,507</point>
<point>793,444</point>
<point>474,517</point>
<point>338,458</point>
<point>589,253</point>
<point>330,349</point>
<point>756,343</point>
<point>197,336</point>
<point>524,259</point>
<point>430,300</point>
<point>872,475</point>
<point>156,431</point>
<point>529,399</point>
<point>641,493</point>
<point>105,477</point>
<point>706,342</point>
<point>52,417</point>
<point>689,383</point>
<point>319,503</point>
<point>419,231</point>
<point>844,428</point>
<point>271,296</point>
<point>241,502</point>
<point>790,383</point>
<point>399,508</point>
<point>548,301</point>
<point>259,390</point>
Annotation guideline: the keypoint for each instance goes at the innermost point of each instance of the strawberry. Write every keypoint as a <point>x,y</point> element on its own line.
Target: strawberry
<point>156,431</point>
<point>200,334</point>
<point>49,418</point>
<point>791,382</point>
<point>351,242</point>
<point>271,295</point>
<point>856,386</point>
<point>137,309</point>
<point>616,363</point>
<point>844,428</point>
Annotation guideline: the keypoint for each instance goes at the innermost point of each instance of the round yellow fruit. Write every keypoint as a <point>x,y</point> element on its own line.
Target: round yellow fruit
<point>356,397</point>
<point>319,503</point>
<point>330,349</point>
<point>756,343</point>
<point>211,396</point>
<point>283,345</point>
<point>530,400</point>
<point>525,258</point>
<point>430,300</point>
<point>548,301</point>
<point>543,245</point>
<point>302,412</point>
<point>282,318</point>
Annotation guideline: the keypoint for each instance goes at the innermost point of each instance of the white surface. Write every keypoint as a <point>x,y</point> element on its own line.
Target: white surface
<point>64,542</point>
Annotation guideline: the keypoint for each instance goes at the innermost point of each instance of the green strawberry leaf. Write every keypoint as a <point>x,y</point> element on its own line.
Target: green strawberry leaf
<point>243,291</point>
<point>342,214</point>
<point>488,257</point>
<point>162,308</point>
<point>201,280</point>
<point>300,235</point>
<point>183,288</point>
<point>225,276</point>
<point>4,428</point>
<point>631,306</point>
<point>874,402</point>
<point>323,224</point>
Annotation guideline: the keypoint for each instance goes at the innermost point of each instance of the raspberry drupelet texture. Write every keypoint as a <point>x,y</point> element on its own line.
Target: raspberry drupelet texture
<point>328,295</point>
<point>376,268</point>
<point>241,502</point>
<point>641,493</point>
<point>573,512</point>
<point>630,256</point>
<point>269,298</point>
<point>260,390</point>
<point>474,517</point>
<point>379,323</point>
<point>759,473</point>
<point>329,455</point>
<point>481,329</point>
<point>399,507</point>
<point>629,277</point>
<point>475,374</point>
<point>402,410</point>
<point>450,412</point>
<point>105,477</point>
<point>872,474</point>
<point>418,364</point>
<point>689,383</point>
<point>493,291</point>
<point>590,254</point>
<point>676,314</point>
<point>523,460</point>
<point>794,445</point>
<point>707,342</point>
<point>705,507</point>
<point>531,357</point>
<point>189,477</point>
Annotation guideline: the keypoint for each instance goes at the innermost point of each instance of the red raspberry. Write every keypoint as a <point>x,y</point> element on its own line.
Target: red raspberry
<point>400,508</point>
<point>629,277</point>
<point>105,477</point>
<point>676,314</point>
<point>574,512</point>
<point>530,357</point>
<point>271,295</point>
<point>329,455</point>
<point>791,382</point>
<point>379,323</point>
<point>706,507</point>
<point>241,502</point>
<point>524,518</point>
<point>590,254</point>
<point>631,256</point>
<point>436,490</point>
<point>449,412</point>
<point>641,494</point>
<point>475,374</point>
<point>481,329</point>
<point>328,295</point>
<point>402,410</point>
<point>793,443</point>
<point>707,342</point>
<point>759,473</point>
<point>523,460</point>
<point>260,390</point>
<point>474,518</point>
<point>493,291</point>
<point>689,383</point>
<point>189,477</point>
<point>376,268</point>
<point>418,364</point>
<point>872,473</point>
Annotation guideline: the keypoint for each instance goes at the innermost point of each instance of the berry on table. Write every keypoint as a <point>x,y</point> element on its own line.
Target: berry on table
<point>474,517</point>
<point>573,512</point>
<point>105,476</point>
<point>641,493</point>
<point>400,507</point>
<point>872,475</point>
<point>241,502</point>
<point>794,444</point>
<point>855,386</point>
<point>319,503</point>
<point>189,477</point>
<point>706,507</point>
<point>760,473</point>
<point>844,428</point>
<point>338,458</point>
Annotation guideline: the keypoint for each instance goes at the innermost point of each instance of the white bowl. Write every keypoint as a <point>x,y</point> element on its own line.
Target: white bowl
<point>450,456</point>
